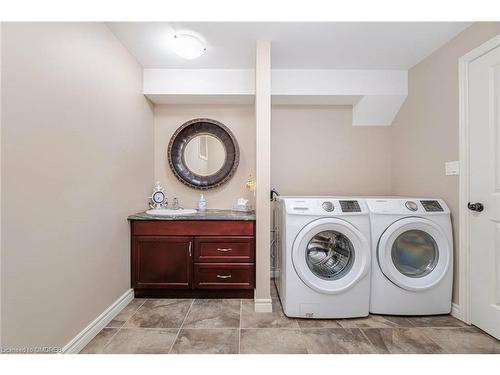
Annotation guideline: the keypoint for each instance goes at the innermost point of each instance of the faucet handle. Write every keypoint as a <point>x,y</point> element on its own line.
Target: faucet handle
<point>175,204</point>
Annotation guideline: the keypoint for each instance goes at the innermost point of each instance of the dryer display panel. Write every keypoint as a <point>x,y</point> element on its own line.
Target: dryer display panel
<point>330,255</point>
<point>431,206</point>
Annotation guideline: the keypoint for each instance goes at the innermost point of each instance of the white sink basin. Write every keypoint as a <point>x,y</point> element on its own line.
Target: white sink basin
<point>169,212</point>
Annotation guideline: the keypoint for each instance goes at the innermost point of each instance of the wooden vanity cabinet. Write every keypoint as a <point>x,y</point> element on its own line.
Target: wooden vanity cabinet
<point>193,258</point>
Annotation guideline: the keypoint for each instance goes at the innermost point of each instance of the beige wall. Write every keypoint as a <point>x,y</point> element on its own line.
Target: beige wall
<point>77,158</point>
<point>240,119</point>
<point>425,131</point>
<point>317,151</point>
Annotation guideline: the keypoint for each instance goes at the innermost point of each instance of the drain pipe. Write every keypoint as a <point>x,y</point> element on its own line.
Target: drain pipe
<point>274,193</point>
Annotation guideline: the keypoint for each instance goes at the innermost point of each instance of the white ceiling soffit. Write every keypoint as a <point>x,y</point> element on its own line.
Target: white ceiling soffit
<point>376,95</point>
<point>362,64</point>
<point>295,45</point>
<point>200,86</point>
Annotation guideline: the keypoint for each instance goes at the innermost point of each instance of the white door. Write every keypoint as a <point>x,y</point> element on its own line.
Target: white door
<point>484,191</point>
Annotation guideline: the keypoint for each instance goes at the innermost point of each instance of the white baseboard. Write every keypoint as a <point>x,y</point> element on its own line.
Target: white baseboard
<point>263,305</point>
<point>456,312</point>
<point>89,332</point>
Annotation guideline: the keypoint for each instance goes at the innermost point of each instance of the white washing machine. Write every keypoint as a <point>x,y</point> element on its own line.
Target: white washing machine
<point>323,257</point>
<point>412,256</point>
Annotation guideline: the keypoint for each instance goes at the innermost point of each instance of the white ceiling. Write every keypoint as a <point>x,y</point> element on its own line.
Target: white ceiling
<point>295,45</point>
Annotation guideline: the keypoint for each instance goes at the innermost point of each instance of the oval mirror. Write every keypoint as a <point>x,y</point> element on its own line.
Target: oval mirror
<point>203,154</point>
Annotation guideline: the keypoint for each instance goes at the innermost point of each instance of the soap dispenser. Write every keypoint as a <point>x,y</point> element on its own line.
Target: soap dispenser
<point>202,203</point>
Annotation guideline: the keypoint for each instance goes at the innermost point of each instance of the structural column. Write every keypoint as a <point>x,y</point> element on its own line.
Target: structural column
<point>263,302</point>
<point>1,255</point>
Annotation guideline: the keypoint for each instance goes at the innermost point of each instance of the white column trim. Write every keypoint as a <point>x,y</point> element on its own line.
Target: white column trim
<point>1,328</point>
<point>263,176</point>
<point>263,305</point>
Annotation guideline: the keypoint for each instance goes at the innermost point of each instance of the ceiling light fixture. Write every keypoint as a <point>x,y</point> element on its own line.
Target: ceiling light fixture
<point>188,46</point>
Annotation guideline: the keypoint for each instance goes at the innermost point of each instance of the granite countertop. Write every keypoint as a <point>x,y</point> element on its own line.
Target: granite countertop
<point>199,215</point>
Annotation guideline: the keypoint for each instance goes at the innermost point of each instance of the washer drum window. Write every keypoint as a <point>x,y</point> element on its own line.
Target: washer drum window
<point>330,255</point>
<point>415,253</point>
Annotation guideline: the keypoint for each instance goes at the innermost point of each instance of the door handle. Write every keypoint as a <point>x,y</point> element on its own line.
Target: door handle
<point>189,249</point>
<point>224,249</point>
<point>478,207</point>
<point>223,276</point>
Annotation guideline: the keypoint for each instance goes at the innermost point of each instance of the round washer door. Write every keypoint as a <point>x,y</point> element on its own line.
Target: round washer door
<point>330,255</point>
<point>414,253</point>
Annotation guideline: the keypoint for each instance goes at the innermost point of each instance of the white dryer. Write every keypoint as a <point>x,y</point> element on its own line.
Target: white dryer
<point>412,256</point>
<point>323,257</point>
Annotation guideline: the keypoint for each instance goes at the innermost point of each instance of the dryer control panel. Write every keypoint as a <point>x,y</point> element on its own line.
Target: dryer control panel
<point>407,206</point>
<point>431,206</point>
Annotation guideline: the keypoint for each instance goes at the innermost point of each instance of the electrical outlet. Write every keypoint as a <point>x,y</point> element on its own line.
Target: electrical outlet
<point>451,168</point>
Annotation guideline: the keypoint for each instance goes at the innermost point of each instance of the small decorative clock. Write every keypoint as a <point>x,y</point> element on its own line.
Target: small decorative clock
<point>158,197</point>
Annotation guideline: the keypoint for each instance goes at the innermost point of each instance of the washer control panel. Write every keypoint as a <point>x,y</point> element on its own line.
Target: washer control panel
<point>328,206</point>
<point>411,205</point>
<point>350,206</point>
<point>432,206</point>
<point>323,206</point>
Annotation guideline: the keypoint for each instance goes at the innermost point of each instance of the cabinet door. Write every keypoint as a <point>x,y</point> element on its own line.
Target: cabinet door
<point>162,262</point>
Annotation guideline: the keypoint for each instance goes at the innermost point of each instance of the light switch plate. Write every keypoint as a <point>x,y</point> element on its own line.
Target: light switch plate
<point>451,168</point>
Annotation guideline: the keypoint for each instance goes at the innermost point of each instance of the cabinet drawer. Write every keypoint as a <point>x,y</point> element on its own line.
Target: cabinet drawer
<point>224,275</point>
<point>224,249</point>
<point>193,228</point>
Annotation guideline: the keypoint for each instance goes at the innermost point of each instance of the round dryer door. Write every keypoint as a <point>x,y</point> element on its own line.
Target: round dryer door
<point>414,253</point>
<point>330,255</point>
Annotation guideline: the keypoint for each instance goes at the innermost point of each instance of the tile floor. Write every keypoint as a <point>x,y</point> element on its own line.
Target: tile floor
<point>231,326</point>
